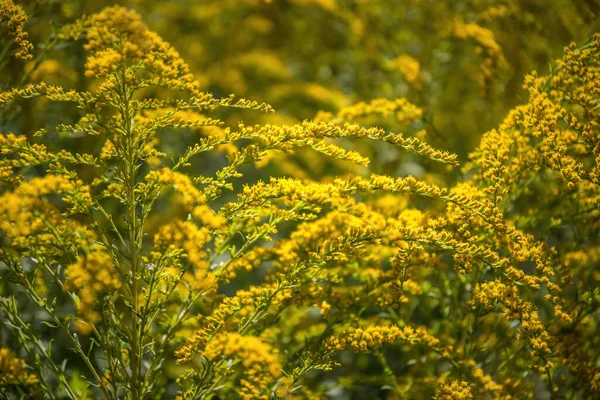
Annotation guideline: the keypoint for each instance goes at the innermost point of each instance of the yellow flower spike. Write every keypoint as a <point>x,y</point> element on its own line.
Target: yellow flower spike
<point>91,277</point>
<point>259,360</point>
<point>410,68</point>
<point>488,294</point>
<point>13,371</point>
<point>373,337</point>
<point>487,45</point>
<point>403,111</point>
<point>15,17</point>
<point>454,390</point>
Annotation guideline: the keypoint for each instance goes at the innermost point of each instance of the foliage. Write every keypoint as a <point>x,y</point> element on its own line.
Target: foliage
<point>153,246</point>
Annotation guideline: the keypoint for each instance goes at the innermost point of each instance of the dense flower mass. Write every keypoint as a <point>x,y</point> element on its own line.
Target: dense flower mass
<point>364,241</point>
<point>15,18</point>
<point>14,371</point>
<point>454,390</point>
<point>92,276</point>
<point>260,362</point>
<point>375,336</point>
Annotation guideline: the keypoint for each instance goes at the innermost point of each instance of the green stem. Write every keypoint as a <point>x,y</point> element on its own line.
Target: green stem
<point>388,371</point>
<point>135,364</point>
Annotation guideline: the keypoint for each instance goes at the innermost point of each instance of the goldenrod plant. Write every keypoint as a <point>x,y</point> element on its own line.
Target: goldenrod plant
<point>158,241</point>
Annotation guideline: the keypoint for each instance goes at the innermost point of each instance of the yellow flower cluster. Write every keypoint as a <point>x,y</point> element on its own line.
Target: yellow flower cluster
<point>485,384</point>
<point>184,239</point>
<point>496,148</point>
<point>311,91</point>
<point>247,262</point>
<point>116,38</point>
<point>263,63</point>
<point>7,178</point>
<point>260,362</point>
<point>13,15</point>
<point>507,10</point>
<point>409,68</point>
<point>192,199</point>
<point>184,236</point>
<point>20,153</point>
<point>308,235</point>
<point>329,5</point>
<point>91,277</point>
<point>486,45</point>
<point>13,370</point>
<point>51,69</point>
<point>311,133</point>
<point>575,263</point>
<point>542,117</point>
<point>375,336</point>
<point>233,312</point>
<point>51,92</point>
<point>488,294</point>
<point>58,184</point>
<point>182,183</point>
<point>33,223</point>
<point>550,130</point>
<point>577,73</point>
<point>454,390</point>
<point>547,145</point>
<point>336,194</point>
<point>121,47</point>
<point>401,109</point>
